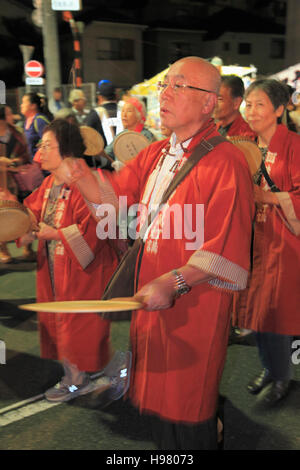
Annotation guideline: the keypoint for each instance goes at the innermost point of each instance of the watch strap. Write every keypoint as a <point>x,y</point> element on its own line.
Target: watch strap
<point>181,286</point>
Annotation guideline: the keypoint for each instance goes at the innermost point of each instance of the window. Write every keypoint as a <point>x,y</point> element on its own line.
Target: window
<point>280,8</point>
<point>277,48</point>
<point>244,48</point>
<point>180,49</point>
<point>115,49</point>
<point>226,46</point>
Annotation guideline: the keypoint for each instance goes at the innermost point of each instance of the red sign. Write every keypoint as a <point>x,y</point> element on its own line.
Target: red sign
<point>33,68</point>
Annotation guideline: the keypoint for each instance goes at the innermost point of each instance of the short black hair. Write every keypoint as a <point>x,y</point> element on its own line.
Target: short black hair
<point>235,84</point>
<point>35,98</point>
<point>68,136</point>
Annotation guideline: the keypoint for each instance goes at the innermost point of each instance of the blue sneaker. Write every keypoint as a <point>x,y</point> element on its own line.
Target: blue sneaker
<point>113,381</point>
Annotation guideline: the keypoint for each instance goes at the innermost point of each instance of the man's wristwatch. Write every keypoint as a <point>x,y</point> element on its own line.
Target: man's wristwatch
<point>181,286</point>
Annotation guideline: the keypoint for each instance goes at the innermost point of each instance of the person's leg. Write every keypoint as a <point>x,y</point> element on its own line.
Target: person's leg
<point>275,355</point>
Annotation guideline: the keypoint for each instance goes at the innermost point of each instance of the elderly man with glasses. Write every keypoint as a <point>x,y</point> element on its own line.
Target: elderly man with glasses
<point>194,256</point>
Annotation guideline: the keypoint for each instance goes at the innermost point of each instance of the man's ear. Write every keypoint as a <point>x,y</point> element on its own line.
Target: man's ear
<point>237,102</point>
<point>279,111</point>
<point>210,103</point>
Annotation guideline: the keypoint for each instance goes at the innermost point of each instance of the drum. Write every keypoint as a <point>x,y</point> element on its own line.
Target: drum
<point>128,144</point>
<point>85,306</point>
<point>14,220</point>
<point>93,141</point>
<point>14,217</point>
<point>250,150</point>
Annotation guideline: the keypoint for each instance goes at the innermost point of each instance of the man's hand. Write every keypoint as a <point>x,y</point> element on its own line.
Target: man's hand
<point>158,294</point>
<point>161,292</point>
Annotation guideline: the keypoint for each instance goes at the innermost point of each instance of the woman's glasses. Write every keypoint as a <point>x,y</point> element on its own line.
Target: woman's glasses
<point>46,147</point>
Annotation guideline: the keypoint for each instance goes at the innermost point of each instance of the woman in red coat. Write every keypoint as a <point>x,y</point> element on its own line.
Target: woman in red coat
<point>271,305</point>
<point>72,264</point>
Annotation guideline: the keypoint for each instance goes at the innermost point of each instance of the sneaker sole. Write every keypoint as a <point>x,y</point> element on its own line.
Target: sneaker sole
<point>88,388</point>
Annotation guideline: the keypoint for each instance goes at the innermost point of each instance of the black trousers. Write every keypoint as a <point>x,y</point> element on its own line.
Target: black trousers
<point>168,435</point>
<point>275,353</point>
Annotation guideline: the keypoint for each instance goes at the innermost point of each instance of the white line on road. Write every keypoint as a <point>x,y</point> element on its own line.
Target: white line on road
<point>34,405</point>
<point>24,412</point>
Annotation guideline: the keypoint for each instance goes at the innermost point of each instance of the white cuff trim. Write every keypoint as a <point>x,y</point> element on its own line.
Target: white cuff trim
<point>229,275</point>
<point>78,245</point>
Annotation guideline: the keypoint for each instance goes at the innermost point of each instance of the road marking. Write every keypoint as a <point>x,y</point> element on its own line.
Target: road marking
<point>25,411</point>
<point>34,405</point>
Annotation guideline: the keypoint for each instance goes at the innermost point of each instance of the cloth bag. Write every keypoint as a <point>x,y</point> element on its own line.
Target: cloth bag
<point>124,280</point>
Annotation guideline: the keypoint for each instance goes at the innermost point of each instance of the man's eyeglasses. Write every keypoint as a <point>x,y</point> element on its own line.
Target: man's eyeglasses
<point>179,88</point>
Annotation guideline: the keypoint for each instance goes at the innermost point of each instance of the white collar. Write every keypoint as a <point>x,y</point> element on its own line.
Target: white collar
<point>177,147</point>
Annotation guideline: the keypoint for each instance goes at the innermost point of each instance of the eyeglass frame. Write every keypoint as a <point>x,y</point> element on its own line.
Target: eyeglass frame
<point>45,147</point>
<point>163,86</point>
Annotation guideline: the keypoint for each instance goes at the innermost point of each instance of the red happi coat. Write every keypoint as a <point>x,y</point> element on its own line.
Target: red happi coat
<point>240,127</point>
<point>273,300</point>
<point>83,265</point>
<point>179,353</point>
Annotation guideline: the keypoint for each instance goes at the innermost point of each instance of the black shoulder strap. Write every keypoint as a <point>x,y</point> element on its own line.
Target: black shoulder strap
<point>272,185</point>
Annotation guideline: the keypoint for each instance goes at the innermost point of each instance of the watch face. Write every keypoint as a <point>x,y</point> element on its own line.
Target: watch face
<point>183,290</point>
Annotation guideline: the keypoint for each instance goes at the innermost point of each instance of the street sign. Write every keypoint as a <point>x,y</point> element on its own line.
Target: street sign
<point>66,5</point>
<point>34,81</point>
<point>33,68</point>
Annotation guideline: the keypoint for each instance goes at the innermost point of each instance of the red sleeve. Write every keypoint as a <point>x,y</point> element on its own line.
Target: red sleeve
<point>295,177</point>
<point>227,190</point>
<point>230,211</point>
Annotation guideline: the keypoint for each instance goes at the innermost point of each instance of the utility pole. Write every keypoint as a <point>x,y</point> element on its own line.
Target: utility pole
<point>51,47</point>
<point>77,30</point>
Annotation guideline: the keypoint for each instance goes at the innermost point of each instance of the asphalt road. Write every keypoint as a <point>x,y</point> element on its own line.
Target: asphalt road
<point>82,424</point>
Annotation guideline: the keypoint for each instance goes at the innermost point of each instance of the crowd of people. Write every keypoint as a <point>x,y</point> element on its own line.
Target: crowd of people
<point>243,273</point>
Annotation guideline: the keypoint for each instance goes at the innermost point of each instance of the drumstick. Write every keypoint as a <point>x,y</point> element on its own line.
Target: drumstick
<point>104,154</point>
